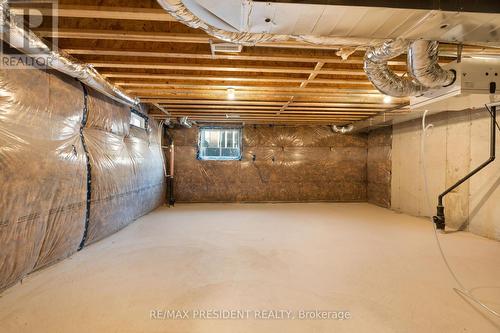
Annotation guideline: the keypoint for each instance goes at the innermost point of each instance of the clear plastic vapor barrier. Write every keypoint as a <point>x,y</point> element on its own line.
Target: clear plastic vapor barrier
<point>72,170</point>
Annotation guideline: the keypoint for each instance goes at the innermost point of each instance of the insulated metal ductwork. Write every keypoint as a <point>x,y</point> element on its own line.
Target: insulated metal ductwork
<point>382,77</point>
<point>181,13</point>
<point>184,121</point>
<point>342,129</point>
<point>424,70</point>
<point>423,65</point>
<point>20,38</point>
<point>249,22</point>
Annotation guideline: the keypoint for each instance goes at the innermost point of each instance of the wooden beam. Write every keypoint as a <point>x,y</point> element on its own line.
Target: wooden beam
<point>224,111</point>
<point>320,105</point>
<point>275,96</point>
<point>146,85</point>
<point>273,118</point>
<point>206,67</point>
<point>225,67</point>
<point>268,116</point>
<point>225,102</point>
<point>241,88</point>
<point>221,68</point>
<point>302,86</point>
<point>269,108</point>
<point>227,79</point>
<point>96,12</point>
<point>271,115</point>
<point>299,57</point>
<point>208,101</point>
<point>153,36</point>
<point>300,109</point>
<point>161,108</point>
<point>263,120</point>
<point>281,122</point>
<point>217,107</point>
<point>114,75</point>
<point>148,93</point>
<point>161,37</point>
<point>313,74</point>
<point>218,94</point>
<point>261,96</point>
<point>167,96</point>
<point>124,35</point>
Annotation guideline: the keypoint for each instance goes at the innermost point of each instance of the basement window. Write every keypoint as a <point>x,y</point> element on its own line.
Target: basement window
<point>219,143</point>
<point>136,120</point>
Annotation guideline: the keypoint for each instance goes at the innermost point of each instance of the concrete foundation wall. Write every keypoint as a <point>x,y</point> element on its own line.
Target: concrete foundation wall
<point>307,163</point>
<point>457,143</point>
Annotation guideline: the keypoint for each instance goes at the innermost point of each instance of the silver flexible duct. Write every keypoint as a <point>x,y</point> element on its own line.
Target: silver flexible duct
<point>181,13</point>
<point>337,41</point>
<point>382,77</point>
<point>17,36</point>
<point>342,129</point>
<point>423,65</point>
<point>184,121</point>
<point>376,58</point>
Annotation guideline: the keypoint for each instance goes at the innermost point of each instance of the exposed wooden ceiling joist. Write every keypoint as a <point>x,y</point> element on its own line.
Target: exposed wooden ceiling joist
<point>223,68</point>
<point>96,12</point>
<point>151,93</point>
<point>255,107</point>
<point>161,37</point>
<point>270,116</point>
<point>200,37</point>
<point>257,111</point>
<point>162,96</point>
<point>124,35</point>
<point>171,67</point>
<point>250,56</point>
<point>204,101</point>
<point>135,86</point>
<point>179,77</point>
<point>226,102</point>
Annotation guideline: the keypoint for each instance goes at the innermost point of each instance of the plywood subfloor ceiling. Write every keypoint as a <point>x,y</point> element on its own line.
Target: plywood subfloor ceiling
<point>143,50</point>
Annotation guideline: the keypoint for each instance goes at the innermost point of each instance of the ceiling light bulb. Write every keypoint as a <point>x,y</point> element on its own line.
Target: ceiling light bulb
<point>230,93</point>
<point>387,99</point>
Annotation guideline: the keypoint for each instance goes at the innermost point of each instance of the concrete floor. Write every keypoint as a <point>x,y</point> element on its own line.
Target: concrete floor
<point>382,267</point>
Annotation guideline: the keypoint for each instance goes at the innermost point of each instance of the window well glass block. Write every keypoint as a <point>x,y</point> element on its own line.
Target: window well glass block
<point>219,143</point>
<point>137,120</point>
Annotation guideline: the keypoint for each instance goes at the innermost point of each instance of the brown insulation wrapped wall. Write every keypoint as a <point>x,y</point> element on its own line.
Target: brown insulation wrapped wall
<point>43,173</point>
<point>127,175</point>
<point>307,163</point>
<point>107,115</point>
<point>43,169</point>
<point>379,166</point>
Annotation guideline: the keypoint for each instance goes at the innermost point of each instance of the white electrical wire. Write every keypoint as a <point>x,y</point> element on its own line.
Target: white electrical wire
<point>461,288</point>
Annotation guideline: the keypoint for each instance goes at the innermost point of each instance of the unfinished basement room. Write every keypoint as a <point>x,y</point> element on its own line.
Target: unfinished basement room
<point>223,166</point>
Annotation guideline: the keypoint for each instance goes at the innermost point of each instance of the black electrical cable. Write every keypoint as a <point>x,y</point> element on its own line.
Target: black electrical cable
<point>89,168</point>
